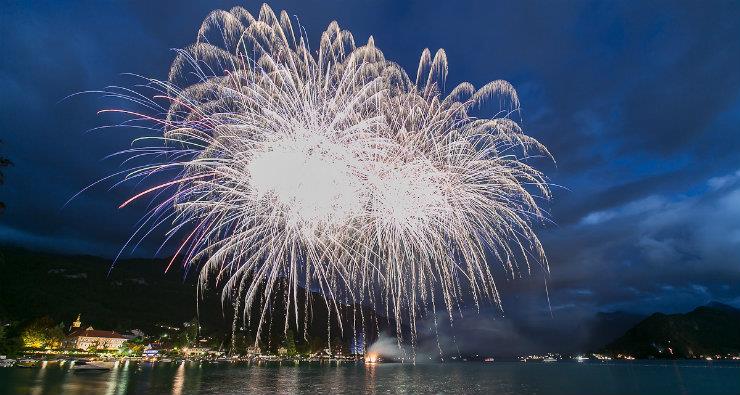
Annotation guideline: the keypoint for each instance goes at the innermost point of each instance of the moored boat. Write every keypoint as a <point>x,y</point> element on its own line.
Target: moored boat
<point>27,363</point>
<point>6,363</point>
<point>84,366</point>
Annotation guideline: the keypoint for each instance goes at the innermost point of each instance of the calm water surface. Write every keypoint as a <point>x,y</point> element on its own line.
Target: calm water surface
<point>496,378</point>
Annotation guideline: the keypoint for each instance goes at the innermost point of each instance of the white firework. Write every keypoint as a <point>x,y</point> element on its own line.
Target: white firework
<point>333,170</point>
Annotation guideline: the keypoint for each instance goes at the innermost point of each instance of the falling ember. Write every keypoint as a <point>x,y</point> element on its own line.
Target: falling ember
<point>333,170</point>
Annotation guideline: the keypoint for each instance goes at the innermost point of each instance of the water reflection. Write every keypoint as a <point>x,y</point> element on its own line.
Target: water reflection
<point>179,381</point>
<point>503,378</point>
<point>118,380</point>
<point>39,380</point>
<point>370,377</point>
<point>288,377</point>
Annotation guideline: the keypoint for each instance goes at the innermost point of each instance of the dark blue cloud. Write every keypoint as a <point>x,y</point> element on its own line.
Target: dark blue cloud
<point>638,101</point>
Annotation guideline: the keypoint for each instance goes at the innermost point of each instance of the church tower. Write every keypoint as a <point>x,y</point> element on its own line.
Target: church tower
<point>77,323</point>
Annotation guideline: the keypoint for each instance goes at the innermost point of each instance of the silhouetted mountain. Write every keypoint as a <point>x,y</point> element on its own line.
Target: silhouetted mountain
<point>608,326</point>
<point>722,306</point>
<point>707,330</point>
<point>137,293</point>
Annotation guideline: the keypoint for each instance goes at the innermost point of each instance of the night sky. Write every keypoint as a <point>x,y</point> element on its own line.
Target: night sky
<point>639,102</point>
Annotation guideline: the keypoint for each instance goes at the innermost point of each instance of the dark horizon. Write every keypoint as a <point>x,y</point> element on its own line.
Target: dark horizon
<point>638,102</point>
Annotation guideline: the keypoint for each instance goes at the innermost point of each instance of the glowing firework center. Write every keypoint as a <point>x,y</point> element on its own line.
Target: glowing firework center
<point>315,182</point>
<point>318,183</point>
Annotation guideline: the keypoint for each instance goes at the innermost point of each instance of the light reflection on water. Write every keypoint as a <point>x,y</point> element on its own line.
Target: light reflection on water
<point>501,378</point>
<point>179,381</point>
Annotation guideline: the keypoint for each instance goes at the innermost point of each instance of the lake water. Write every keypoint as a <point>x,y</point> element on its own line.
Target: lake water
<point>636,377</point>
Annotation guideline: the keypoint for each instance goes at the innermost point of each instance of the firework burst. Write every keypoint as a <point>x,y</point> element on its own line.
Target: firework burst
<point>333,170</point>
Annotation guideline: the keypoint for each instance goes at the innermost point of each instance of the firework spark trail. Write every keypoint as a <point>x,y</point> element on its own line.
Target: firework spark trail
<point>334,170</point>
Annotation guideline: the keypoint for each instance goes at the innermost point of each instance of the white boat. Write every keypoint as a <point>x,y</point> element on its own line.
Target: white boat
<point>6,363</point>
<point>549,359</point>
<point>84,366</point>
<point>489,359</point>
<point>581,358</point>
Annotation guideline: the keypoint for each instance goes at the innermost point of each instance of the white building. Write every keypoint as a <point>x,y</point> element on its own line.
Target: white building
<point>83,339</point>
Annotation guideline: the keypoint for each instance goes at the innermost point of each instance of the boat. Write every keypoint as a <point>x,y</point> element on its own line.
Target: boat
<point>581,358</point>
<point>6,363</point>
<point>549,359</point>
<point>27,363</point>
<point>489,359</point>
<point>81,366</point>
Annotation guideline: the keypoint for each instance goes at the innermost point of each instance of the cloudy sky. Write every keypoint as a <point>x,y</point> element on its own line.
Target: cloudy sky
<point>638,101</point>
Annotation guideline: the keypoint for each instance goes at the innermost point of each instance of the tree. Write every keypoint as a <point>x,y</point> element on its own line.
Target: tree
<point>289,343</point>
<point>55,336</point>
<point>42,332</point>
<point>132,347</point>
<point>316,344</point>
<point>10,343</point>
<point>11,347</point>
<point>338,347</point>
<point>4,162</point>
<point>190,332</point>
<point>241,341</point>
<point>93,347</point>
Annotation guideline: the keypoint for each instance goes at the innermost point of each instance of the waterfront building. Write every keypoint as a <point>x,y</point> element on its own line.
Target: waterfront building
<point>151,350</point>
<point>198,351</point>
<point>253,351</point>
<point>84,339</point>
